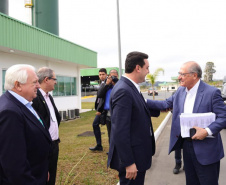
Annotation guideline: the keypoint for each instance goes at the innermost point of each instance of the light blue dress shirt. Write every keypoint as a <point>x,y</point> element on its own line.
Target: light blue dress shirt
<point>27,104</point>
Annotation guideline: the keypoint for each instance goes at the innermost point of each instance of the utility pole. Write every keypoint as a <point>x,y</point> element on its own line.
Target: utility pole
<point>119,40</point>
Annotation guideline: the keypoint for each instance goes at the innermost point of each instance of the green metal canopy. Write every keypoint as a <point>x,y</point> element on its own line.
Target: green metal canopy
<point>95,71</point>
<point>20,36</point>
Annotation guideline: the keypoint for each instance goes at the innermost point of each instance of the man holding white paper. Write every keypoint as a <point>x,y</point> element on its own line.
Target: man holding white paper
<point>191,120</point>
<point>201,155</point>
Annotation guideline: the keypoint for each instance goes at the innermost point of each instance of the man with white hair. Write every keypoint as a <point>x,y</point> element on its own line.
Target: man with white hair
<point>24,140</point>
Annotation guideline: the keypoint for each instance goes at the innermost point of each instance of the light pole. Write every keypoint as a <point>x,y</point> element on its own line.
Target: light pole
<point>119,40</point>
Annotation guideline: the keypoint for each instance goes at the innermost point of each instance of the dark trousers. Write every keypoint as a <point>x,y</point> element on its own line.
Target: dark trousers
<point>178,156</point>
<point>96,129</point>
<point>197,174</point>
<point>53,162</point>
<point>138,181</point>
<point>108,123</point>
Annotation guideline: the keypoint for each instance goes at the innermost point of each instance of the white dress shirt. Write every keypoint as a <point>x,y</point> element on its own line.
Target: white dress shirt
<point>53,129</point>
<point>190,101</point>
<point>135,84</point>
<point>138,88</point>
<point>27,104</point>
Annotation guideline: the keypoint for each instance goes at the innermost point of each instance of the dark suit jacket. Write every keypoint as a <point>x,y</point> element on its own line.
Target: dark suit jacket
<point>24,145</point>
<point>42,109</point>
<point>99,103</point>
<point>132,137</point>
<point>208,99</point>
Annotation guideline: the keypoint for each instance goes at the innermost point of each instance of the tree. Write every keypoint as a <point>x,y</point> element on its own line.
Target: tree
<point>153,78</point>
<point>209,70</point>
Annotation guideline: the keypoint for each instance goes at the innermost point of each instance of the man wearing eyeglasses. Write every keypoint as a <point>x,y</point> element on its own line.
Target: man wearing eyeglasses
<point>201,155</point>
<point>46,108</point>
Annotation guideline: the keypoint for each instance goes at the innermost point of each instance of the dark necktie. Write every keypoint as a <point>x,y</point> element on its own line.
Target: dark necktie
<point>142,97</point>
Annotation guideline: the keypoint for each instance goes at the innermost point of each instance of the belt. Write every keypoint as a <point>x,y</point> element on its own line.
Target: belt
<point>188,139</point>
<point>56,141</point>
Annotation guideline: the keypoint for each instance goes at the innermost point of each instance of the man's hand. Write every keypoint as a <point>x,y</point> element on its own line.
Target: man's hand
<point>200,134</point>
<point>48,177</point>
<point>98,113</point>
<point>166,110</point>
<point>131,172</point>
<point>109,80</point>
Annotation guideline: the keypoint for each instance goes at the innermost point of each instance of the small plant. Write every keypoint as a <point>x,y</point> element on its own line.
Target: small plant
<point>101,172</point>
<point>71,172</point>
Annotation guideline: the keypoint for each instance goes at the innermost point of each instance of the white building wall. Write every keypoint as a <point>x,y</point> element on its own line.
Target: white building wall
<point>60,68</point>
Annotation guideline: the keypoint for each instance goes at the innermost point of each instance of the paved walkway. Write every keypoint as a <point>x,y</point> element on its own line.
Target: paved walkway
<point>161,172</point>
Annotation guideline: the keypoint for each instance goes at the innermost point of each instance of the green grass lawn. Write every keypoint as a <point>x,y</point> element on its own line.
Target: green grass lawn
<point>77,164</point>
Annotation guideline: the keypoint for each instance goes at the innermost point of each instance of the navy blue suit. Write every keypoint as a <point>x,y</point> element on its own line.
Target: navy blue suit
<point>208,99</point>
<point>132,137</point>
<point>25,145</point>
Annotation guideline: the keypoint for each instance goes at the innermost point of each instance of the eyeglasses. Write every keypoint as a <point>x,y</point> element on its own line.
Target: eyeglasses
<point>184,74</point>
<point>52,78</point>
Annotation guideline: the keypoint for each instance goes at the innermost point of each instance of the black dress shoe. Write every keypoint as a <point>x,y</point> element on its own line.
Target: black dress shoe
<point>177,168</point>
<point>96,148</point>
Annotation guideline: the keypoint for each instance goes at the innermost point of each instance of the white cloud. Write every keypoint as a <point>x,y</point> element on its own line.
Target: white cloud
<point>171,32</point>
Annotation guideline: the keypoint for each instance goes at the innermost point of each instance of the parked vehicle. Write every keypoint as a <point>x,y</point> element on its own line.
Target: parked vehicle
<point>223,92</point>
<point>96,87</point>
<point>151,91</point>
<point>89,88</point>
<point>223,89</point>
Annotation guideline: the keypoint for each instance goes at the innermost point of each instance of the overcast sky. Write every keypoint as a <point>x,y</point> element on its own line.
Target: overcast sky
<point>171,32</point>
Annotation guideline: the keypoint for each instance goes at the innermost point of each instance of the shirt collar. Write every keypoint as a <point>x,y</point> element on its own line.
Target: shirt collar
<point>194,89</point>
<point>43,92</point>
<point>20,98</point>
<point>135,84</point>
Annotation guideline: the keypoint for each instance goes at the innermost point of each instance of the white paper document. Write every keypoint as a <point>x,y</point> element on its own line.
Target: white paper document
<point>189,120</point>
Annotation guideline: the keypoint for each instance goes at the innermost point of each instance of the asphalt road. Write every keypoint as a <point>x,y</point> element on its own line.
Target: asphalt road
<point>162,96</point>
<point>161,171</point>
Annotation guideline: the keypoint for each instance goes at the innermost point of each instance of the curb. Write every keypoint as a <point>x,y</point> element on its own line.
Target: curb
<point>161,126</point>
<point>86,97</point>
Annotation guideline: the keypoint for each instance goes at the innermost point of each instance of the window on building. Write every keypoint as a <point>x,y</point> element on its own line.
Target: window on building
<point>66,86</point>
<point>3,80</point>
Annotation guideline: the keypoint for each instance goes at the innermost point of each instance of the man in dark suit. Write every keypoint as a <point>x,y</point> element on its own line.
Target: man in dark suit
<point>201,154</point>
<point>24,141</point>
<point>99,106</point>
<point>46,108</point>
<point>132,142</point>
<point>104,93</point>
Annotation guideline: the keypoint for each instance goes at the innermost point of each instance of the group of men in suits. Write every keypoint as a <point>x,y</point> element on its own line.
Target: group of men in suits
<point>132,143</point>
<point>29,133</point>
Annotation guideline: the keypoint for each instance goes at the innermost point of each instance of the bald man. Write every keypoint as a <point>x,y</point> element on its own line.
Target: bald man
<point>201,154</point>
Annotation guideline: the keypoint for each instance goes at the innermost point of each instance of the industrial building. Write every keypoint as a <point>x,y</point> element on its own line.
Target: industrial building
<point>39,45</point>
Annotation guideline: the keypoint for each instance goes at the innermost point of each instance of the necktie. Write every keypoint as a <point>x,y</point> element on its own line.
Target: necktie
<point>51,108</point>
<point>36,115</point>
<point>41,122</point>
<point>146,108</point>
<point>142,97</point>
